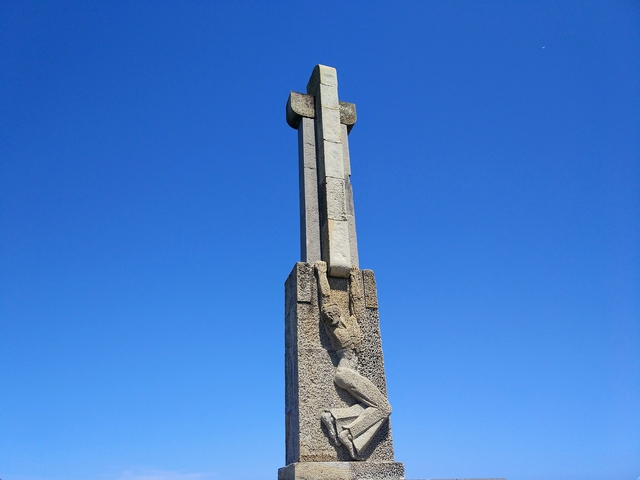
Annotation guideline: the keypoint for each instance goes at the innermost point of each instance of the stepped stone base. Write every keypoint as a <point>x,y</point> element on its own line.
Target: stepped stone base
<point>342,471</point>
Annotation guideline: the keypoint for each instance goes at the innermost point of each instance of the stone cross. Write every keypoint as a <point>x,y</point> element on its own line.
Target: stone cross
<point>328,230</point>
<point>337,412</point>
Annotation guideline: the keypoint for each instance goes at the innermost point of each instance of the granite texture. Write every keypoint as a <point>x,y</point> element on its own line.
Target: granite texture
<point>310,250</point>
<point>310,363</point>
<point>342,471</point>
<point>348,115</point>
<point>301,105</point>
<point>327,217</point>
<point>334,228</point>
<point>348,192</point>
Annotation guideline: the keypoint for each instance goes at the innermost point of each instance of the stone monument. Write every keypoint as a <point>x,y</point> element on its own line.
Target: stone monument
<point>337,412</point>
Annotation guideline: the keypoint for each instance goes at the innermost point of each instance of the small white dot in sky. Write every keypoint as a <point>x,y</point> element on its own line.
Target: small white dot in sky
<point>544,47</point>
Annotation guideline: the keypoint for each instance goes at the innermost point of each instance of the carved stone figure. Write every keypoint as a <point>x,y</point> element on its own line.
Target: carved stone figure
<point>355,426</point>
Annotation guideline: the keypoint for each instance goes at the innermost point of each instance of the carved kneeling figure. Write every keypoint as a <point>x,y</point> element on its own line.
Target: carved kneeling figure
<point>355,426</point>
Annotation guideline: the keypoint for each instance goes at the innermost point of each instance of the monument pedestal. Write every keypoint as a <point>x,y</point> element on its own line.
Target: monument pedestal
<point>342,471</point>
<point>310,383</point>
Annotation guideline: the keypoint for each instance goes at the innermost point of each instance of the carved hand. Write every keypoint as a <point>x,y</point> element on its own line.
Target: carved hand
<point>321,266</point>
<point>353,272</point>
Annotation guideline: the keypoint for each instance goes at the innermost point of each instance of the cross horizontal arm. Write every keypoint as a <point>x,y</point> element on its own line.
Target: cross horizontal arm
<point>301,105</point>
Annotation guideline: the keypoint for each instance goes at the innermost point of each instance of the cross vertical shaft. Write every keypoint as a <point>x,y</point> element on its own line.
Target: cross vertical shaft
<point>327,217</point>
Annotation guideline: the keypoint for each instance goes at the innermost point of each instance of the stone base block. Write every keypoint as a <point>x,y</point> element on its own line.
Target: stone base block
<point>342,471</point>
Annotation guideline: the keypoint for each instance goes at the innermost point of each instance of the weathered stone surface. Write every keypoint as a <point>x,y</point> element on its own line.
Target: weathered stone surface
<point>323,85</point>
<point>346,158</point>
<point>315,471</point>
<point>335,246</point>
<point>378,471</point>
<point>370,289</point>
<point>330,161</point>
<point>322,75</point>
<point>326,196</point>
<point>353,239</point>
<point>310,250</point>
<point>311,360</point>
<point>299,105</point>
<point>304,284</point>
<point>307,146</point>
<point>348,191</point>
<point>329,124</point>
<point>329,99</point>
<point>342,471</point>
<point>334,187</point>
<point>348,115</point>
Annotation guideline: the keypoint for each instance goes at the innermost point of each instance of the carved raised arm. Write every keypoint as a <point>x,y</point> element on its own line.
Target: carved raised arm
<point>323,282</point>
<point>356,296</point>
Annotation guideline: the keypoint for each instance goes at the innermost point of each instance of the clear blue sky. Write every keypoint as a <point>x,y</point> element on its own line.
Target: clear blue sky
<point>149,218</point>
